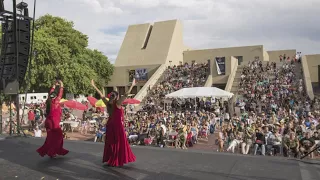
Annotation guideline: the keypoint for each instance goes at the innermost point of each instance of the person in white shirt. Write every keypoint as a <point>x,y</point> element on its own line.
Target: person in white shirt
<point>163,127</point>
<point>298,56</point>
<point>37,132</point>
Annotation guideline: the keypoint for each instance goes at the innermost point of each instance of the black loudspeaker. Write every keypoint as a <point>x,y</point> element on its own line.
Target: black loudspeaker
<point>1,6</point>
<point>8,65</point>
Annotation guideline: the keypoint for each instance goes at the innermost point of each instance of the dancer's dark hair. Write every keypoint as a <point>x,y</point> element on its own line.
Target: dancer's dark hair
<point>52,95</point>
<point>113,95</point>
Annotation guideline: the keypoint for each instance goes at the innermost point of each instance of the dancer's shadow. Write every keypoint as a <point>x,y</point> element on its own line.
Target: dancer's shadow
<point>64,168</point>
<point>77,165</point>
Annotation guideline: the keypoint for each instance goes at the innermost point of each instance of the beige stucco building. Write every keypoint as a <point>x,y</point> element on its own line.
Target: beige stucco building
<point>155,46</point>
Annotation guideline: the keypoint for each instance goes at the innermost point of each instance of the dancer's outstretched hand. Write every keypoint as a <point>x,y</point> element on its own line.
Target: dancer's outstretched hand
<point>92,83</point>
<point>61,83</point>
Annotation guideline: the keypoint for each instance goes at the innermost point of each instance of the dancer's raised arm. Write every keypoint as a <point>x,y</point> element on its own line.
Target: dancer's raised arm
<point>103,98</point>
<point>53,87</point>
<point>98,90</point>
<point>124,97</point>
<point>60,93</point>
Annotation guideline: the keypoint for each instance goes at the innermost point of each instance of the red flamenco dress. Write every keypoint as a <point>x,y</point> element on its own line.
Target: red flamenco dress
<point>117,151</point>
<point>54,142</point>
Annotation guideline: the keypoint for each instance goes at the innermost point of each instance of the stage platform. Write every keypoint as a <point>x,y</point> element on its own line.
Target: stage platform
<point>19,161</point>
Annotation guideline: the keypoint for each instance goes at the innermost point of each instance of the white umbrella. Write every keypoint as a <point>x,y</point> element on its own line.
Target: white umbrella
<point>200,92</point>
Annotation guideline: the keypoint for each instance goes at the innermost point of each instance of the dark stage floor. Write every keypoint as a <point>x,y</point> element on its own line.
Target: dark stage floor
<point>18,160</point>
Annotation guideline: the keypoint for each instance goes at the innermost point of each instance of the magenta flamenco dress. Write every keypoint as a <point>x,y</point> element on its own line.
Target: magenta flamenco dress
<point>54,142</point>
<point>117,151</point>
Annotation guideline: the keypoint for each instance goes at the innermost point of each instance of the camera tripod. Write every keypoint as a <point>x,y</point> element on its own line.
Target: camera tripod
<point>307,154</point>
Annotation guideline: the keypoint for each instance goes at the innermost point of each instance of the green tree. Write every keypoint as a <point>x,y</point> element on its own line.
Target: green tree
<point>63,51</point>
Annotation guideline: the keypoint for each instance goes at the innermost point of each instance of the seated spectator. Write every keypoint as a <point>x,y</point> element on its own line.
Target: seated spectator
<point>307,143</point>
<point>182,136</point>
<point>260,141</point>
<point>235,143</point>
<point>133,133</point>
<point>194,130</point>
<point>100,133</point>
<point>160,133</point>
<point>204,130</point>
<point>247,140</point>
<point>222,138</point>
<point>84,127</point>
<point>37,132</point>
<point>316,136</point>
<point>291,144</point>
<point>144,133</point>
<point>274,142</point>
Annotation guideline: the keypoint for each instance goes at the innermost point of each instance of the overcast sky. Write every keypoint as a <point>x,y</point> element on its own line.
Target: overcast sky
<point>276,24</point>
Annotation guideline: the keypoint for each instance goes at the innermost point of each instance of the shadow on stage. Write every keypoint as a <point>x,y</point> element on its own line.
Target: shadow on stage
<point>153,164</point>
<point>75,165</point>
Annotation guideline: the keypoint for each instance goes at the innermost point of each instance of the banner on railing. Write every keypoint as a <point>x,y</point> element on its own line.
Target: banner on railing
<point>141,75</point>
<point>221,65</point>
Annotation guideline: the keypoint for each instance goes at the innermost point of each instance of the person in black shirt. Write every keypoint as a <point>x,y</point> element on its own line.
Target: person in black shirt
<point>260,141</point>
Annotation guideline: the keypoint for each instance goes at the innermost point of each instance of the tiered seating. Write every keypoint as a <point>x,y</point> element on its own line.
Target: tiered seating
<point>276,115</point>
<point>153,125</point>
<point>175,78</point>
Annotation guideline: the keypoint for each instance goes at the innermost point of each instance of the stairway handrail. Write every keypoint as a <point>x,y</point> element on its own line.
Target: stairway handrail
<point>231,77</point>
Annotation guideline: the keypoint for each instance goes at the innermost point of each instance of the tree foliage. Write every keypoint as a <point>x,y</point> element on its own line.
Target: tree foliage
<point>63,51</point>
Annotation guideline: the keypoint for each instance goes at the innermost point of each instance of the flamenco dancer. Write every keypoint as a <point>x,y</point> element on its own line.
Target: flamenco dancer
<point>53,145</point>
<point>117,151</point>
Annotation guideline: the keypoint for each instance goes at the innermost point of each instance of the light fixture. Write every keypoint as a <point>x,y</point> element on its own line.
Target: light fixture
<point>22,6</point>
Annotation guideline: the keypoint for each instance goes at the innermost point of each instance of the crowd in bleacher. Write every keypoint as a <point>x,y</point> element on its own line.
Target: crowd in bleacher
<point>179,124</point>
<point>275,115</point>
<point>173,79</point>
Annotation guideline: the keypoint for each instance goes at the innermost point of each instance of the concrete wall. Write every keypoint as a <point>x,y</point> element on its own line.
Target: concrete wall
<point>307,77</point>
<point>265,56</point>
<point>175,54</point>
<point>163,36</point>
<point>274,55</point>
<point>313,61</point>
<point>164,46</point>
<point>248,53</point>
<point>234,67</point>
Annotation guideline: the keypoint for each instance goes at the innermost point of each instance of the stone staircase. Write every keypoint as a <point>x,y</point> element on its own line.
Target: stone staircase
<point>162,72</point>
<point>236,81</point>
<point>161,78</point>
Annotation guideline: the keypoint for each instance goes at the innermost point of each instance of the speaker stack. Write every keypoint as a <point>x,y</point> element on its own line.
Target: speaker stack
<point>12,73</point>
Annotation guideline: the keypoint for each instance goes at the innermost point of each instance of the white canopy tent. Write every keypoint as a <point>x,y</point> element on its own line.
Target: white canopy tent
<point>200,92</point>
